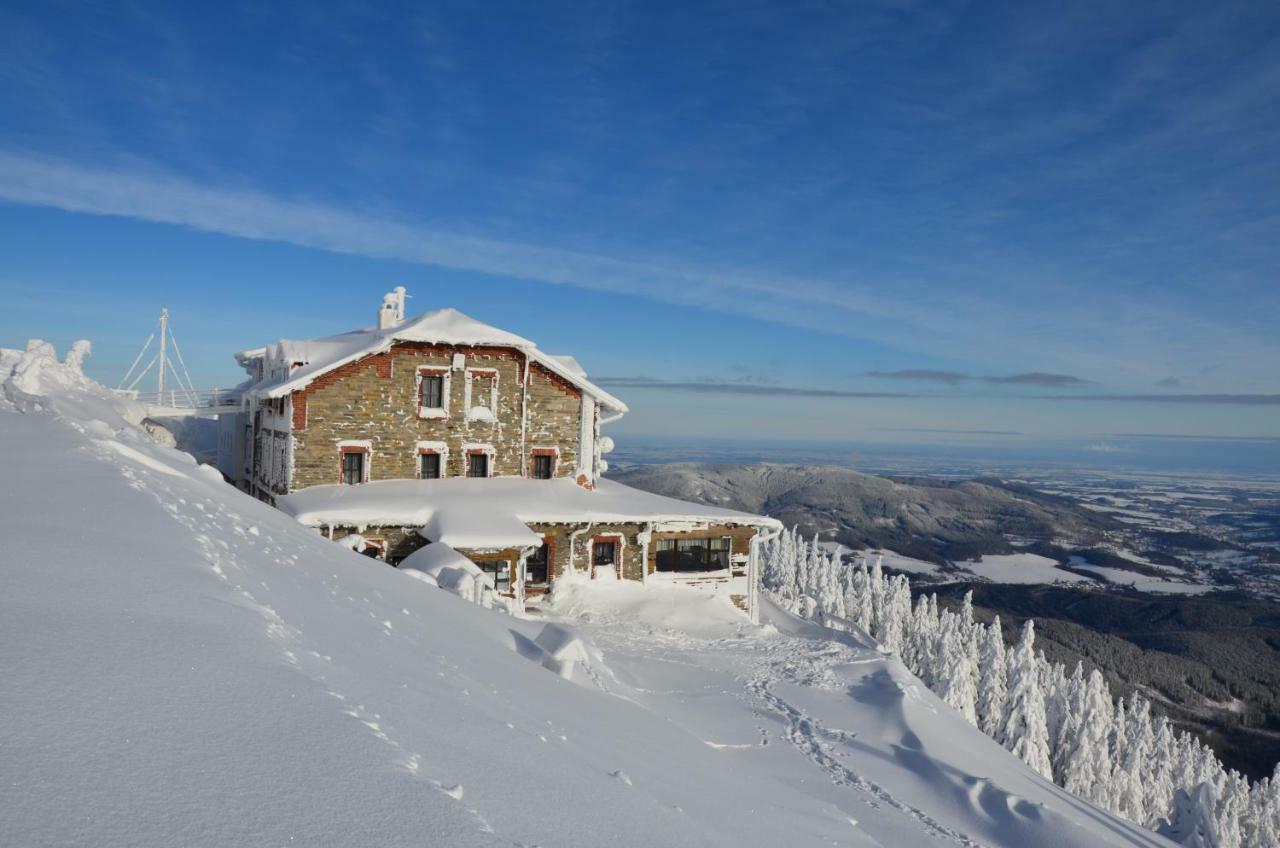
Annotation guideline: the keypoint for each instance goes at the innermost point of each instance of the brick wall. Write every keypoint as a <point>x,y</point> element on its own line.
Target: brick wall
<point>376,399</point>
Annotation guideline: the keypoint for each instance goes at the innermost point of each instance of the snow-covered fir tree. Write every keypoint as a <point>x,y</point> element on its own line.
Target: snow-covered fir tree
<point>992,679</point>
<point>1024,730</point>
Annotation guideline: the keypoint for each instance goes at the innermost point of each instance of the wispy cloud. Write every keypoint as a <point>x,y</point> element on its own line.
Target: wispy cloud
<point>1218,399</point>
<point>951,378</point>
<point>1193,437</point>
<point>949,431</point>
<point>923,375</point>
<point>728,387</point>
<point>952,324</point>
<point>737,388</point>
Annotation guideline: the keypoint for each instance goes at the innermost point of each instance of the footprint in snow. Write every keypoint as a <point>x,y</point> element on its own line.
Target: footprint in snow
<point>454,791</point>
<point>621,775</point>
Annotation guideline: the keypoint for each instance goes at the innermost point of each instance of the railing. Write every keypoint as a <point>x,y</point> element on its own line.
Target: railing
<point>227,399</point>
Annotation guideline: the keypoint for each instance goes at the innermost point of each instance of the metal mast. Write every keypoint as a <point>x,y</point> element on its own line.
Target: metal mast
<point>164,344</point>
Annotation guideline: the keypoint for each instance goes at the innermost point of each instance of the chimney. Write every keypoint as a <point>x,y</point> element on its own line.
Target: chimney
<point>391,312</point>
<point>387,312</point>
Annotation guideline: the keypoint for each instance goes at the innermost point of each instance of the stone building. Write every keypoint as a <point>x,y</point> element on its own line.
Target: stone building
<point>442,430</point>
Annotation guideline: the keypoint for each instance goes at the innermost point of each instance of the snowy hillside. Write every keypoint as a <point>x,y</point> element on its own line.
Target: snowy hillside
<point>184,665</point>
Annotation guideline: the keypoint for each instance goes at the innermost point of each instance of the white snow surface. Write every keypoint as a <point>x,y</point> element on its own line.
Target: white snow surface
<point>484,512</point>
<point>184,665</point>
<point>440,326</point>
<point>1021,568</point>
<point>1142,582</point>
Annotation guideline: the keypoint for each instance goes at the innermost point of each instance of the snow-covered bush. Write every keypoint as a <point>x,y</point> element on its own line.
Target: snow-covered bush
<point>1066,727</point>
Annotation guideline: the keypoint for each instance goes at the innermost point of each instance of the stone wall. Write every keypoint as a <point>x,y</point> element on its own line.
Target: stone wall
<point>375,399</point>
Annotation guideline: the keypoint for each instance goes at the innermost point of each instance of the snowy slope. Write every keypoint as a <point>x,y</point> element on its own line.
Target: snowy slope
<point>185,665</point>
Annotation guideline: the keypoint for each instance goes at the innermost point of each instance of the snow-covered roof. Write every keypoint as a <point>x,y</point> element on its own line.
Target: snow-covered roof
<point>483,513</point>
<point>441,326</point>
<point>464,526</point>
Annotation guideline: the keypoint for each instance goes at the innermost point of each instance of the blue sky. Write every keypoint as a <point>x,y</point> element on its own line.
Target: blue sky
<point>753,218</point>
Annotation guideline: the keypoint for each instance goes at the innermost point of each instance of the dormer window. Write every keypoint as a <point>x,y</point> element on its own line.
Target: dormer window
<point>433,393</point>
<point>482,394</point>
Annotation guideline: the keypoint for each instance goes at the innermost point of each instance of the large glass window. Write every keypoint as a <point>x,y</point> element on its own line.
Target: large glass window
<point>353,467</point>
<point>478,465</point>
<point>693,554</point>
<point>429,466</point>
<point>535,567</point>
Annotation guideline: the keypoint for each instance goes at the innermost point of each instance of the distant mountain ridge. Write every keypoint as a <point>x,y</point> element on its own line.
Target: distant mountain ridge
<point>935,520</point>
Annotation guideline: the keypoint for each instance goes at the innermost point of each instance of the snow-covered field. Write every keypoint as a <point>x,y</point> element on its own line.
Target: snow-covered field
<point>184,665</point>
<point>1141,582</point>
<point>1021,568</point>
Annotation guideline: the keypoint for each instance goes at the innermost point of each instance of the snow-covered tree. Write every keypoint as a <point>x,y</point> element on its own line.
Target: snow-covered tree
<point>1066,737</point>
<point>1193,823</point>
<point>992,678</point>
<point>1131,767</point>
<point>959,687</point>
<point>1086,767</point>
<point>1109,752</point>
<point>1023,730</point>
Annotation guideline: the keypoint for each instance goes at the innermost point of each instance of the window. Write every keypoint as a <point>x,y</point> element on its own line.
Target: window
<point>429,466</point>
<point>482,394</point>
<point>477,465</point>
<point>693,554</point>
<point>535,567</point>
<point>542,467</point>
<point>352,467</point>
<point>604,553</point>
<point>432,391</point>
<point>499,570</point>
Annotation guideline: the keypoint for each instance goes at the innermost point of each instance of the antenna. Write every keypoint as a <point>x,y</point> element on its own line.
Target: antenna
<point>164,363</point>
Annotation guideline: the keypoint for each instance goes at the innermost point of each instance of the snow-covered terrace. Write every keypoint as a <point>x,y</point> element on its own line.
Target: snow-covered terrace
<point>475,513</point>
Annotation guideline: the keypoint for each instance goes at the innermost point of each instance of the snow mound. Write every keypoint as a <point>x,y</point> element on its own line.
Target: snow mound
<point>33,380</point>
<point>442,565</point>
